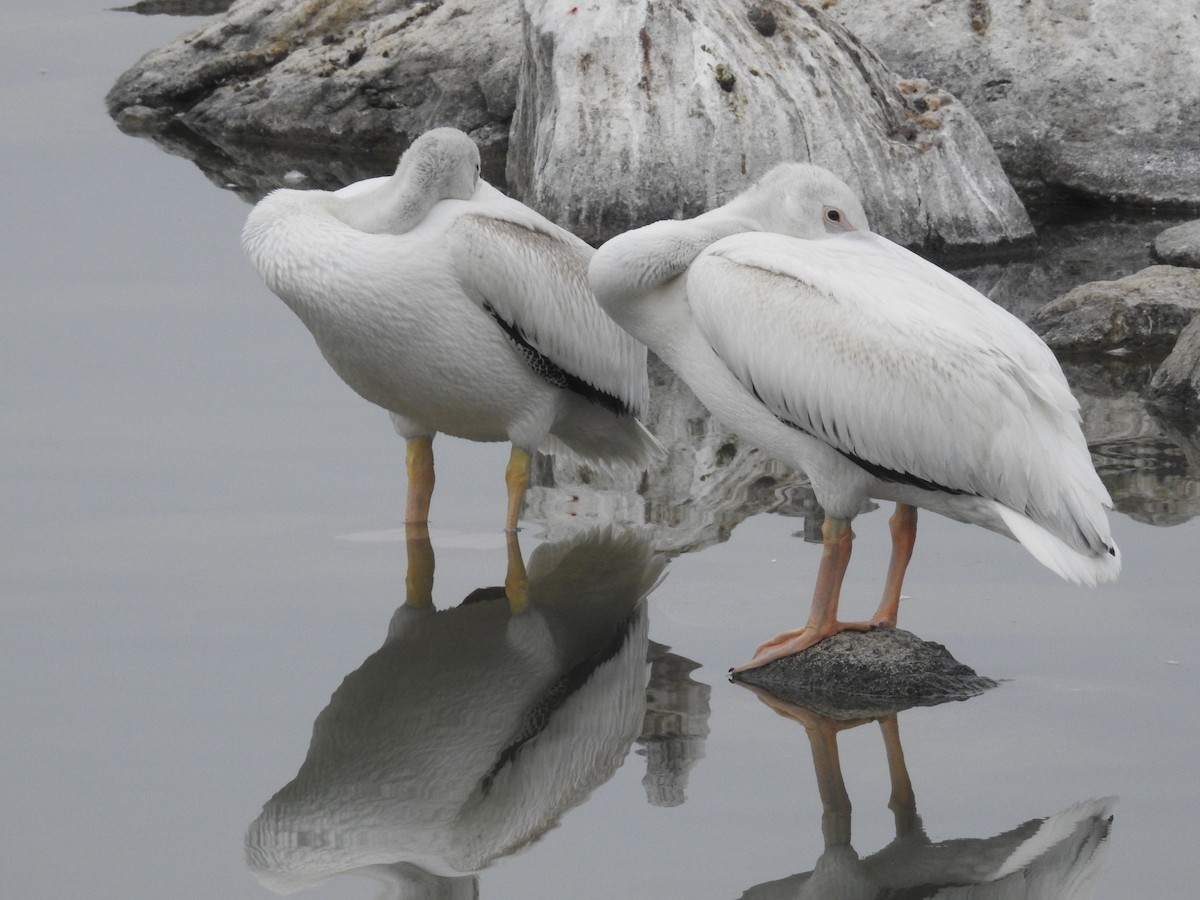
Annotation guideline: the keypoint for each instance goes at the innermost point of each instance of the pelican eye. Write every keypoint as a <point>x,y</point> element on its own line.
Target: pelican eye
<point>835,220</point>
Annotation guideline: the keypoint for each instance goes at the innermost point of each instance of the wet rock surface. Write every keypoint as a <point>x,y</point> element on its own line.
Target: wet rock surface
<point>868,674</point>
<point>1149,461</point>
<point>1175,386</point>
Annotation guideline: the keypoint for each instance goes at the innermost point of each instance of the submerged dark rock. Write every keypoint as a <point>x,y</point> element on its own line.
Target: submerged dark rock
<point>1175,387</point>
<point>868,674</point>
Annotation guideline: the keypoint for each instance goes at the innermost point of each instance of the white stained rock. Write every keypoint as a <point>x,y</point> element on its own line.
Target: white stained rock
<point>1093,97</point>
<point>634,111</point>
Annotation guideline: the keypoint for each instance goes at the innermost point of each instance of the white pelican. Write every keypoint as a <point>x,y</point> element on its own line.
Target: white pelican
<point>457,309</point>
<point>875,372</point>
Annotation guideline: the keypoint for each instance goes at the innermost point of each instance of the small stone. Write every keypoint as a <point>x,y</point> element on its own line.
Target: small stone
<point>868,674</point>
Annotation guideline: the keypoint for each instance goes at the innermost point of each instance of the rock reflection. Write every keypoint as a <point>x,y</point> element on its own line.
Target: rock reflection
<point>1150,465</point>
<point>675,726</point>
<point>474,728</point>
<point>709,482</point>
<point>1054,858</point>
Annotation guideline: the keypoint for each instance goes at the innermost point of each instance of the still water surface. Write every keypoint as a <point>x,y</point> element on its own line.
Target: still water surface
<point>207,650</point>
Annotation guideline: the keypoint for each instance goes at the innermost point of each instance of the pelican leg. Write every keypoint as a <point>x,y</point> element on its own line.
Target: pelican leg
<point>904,535</point>
<point>903,802</point>
<point>418,579</point>
<point>822,619</point>
<point>516,581</point>
<point>418,460</point>
<point>822,739</point>
<point>516,477</point>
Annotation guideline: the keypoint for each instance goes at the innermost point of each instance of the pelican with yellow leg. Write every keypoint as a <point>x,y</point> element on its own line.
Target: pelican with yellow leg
<point>458,310</point>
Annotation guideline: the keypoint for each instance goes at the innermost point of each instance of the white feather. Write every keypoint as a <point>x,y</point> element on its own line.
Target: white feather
<point>390,275</point>
<point>883,355</point>
<point>782,307</point>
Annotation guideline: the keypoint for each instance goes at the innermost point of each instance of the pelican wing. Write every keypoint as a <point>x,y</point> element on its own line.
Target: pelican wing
<point>531,276</point>
<point>901,367</point>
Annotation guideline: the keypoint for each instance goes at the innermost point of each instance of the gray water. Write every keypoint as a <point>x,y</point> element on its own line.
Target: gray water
<point>200,542</point>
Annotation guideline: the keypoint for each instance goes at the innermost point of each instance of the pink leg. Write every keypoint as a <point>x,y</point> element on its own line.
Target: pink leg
<point>904,535</point>
<point>822,619</point>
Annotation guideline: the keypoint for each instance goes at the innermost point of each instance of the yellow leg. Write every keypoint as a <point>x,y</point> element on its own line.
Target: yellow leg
<point>418,460</point>
<point>904,535</point>
<point>516,477</point>
<point>516,581</point>
<point>418,580</point>
<point>838,540</point>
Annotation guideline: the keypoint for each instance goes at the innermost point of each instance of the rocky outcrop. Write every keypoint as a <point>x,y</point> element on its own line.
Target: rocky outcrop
<point>1099,98</point>
<point>1180,245</point>
<point>1145,310</point>
<point>349,75</point>
<point>627,112</point>
<point>661,110</point>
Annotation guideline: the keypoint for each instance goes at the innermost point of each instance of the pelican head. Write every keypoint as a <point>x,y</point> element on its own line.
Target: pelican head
<point>443,164</point>
<point>803,201</point>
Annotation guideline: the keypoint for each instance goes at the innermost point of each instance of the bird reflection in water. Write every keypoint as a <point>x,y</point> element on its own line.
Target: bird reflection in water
<point>1055,858</point>
<point>474,728</point>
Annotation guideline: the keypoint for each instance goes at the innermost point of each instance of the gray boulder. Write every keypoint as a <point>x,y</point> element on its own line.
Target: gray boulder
<point>1147,309</point>
<point>352,76</point>
<point>628,112</point>
<point>1099,98</point>
<point>1180,245</point>
<point>1175,387</point>
<point>641,111</point>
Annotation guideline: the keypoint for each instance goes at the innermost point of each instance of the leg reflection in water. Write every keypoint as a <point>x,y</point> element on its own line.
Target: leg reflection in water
<point>1056,857</point>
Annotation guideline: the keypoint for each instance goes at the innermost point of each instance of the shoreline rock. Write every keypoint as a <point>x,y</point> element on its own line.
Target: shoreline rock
<point>619,114</point>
